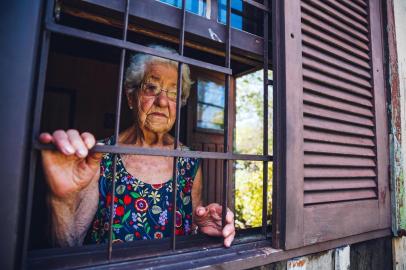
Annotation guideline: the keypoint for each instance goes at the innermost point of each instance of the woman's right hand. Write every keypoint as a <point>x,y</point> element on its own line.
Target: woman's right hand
<point>71,168</point>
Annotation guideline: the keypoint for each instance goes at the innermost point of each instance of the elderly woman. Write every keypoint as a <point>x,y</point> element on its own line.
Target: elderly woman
<point>80,181</point>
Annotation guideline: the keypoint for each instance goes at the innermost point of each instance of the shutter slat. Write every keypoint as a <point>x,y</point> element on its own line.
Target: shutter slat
<point>335,62</point>
<point>327,48</point>
<point>345,139</point>
<point>338,116</point>
<point>319,24</point>
<point>356,7</point>
<point>322,6</point>
<point>337,161</point>
<point>334,184</point>
<point>349,12</point>
<point>322,124</point>
<point>333,72</point>
<point>327,80</point>
<point>336,94</point>
<point>337,105</point>
<point>338,196</point>
<point>334,22</point>
<point>310,172</point>
<point>321,36</point>
<point>328,148</point>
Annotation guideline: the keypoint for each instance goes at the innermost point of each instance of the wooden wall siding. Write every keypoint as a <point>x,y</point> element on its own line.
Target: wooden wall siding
<point>337,143</point>
<point>338,114</point>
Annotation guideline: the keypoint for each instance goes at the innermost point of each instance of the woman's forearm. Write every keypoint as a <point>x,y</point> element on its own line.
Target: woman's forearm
<point>71,217</point>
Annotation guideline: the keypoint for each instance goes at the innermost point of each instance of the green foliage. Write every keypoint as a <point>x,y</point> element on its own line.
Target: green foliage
<point>249,140</point>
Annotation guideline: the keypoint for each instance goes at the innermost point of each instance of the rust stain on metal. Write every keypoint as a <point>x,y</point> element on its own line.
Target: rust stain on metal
<point>297,263</point>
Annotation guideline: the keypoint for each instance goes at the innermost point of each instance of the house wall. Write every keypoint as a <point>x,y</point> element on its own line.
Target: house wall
<point>399,129</point>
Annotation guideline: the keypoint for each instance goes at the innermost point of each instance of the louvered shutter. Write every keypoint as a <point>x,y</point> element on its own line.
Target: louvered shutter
<point>335,107</point>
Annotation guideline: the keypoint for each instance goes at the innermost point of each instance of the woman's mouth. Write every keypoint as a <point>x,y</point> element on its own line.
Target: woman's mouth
<point>158,114</point>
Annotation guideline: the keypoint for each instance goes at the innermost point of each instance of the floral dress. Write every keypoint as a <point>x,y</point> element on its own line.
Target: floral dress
<point>142,210</point>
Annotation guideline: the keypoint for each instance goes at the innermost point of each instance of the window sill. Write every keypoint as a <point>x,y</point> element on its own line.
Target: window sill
<point>242,255</point>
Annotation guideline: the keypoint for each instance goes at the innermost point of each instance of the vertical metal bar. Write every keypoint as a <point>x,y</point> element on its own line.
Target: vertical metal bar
<point>177,124</point>
<point>226,114</point>
<point>117,127</point>
<point>42,70</point>
<point>279,142</point>
<point>265,128</point>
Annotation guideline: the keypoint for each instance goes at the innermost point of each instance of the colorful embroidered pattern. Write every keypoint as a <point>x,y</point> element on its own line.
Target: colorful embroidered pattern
<point>141,210</point>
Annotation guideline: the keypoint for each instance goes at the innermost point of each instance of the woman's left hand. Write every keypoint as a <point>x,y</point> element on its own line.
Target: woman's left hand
<point>208,219</point>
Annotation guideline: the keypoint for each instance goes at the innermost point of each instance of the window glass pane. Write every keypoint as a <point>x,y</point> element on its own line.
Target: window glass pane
<point>195,6</point>
<point>210,105</point>
<point>243,16</point>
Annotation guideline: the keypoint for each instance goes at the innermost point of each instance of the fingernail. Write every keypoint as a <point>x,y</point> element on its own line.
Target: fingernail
<point>69,149</point>
<point>82,152</point>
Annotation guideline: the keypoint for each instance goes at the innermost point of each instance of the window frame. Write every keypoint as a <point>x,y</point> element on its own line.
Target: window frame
<point>65,256</point>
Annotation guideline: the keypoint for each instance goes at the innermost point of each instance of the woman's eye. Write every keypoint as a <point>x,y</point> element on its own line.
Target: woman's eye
<point>151,87</point>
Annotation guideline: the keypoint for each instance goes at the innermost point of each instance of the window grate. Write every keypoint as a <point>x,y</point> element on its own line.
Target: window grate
<point>52,27</point>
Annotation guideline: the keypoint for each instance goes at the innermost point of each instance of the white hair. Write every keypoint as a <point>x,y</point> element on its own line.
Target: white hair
<point>139,62</point>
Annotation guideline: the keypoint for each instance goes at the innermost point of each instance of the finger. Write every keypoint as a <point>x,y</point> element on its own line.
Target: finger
<point>228,230</point>
<point>45,137</point>
<point>60,139</point>
<point>229,240</point>
<point>201,211</point>
<point>88,139</point>
<point>77,143</point>
<point>211,230</point>
<point>229,216</point>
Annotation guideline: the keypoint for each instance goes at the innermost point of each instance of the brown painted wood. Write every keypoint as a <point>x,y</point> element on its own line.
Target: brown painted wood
<point>327,148</point>
<point>316,23</point>
<point>330,49</point>
<point>293,82</point>
<point>336,220</point>
<point>326,172</point>
<point>320,136</point>
<point>333,21</point>
<point>324,79</point>
<point>313,110</point>
<point>327,125</point>
<point>336,94</point>
<point>338,161</point>
<point>330,103</point>
<point>356,8</point>
<point>335,62</point>
<point>361,18</point>
<point>336,73</point>
<point>323,6</point>
<point>338,196</point>
<point>376,22</point>
<point>335,184</point>
<point>322,36</point>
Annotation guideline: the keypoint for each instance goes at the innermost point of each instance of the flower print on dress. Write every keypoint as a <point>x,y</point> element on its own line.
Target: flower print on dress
<point>141,204</point>
<point>163,217</point>
<point>156,197</point>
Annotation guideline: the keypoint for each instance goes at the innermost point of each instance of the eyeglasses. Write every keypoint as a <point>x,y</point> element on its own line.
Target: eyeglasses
<point>153,89</point>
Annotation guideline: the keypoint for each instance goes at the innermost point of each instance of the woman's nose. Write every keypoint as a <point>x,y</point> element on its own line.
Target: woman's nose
<point>162,99</point>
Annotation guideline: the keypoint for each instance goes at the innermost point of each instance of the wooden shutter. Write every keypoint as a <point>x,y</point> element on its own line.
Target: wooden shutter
<point>335,106</point>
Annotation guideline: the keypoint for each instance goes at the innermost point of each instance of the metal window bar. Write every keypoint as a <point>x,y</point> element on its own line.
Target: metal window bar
<point>177,124</point>
<point>265,128</point>
<point>117,128</point>
<point>52,27</point>
<point>226,115</point>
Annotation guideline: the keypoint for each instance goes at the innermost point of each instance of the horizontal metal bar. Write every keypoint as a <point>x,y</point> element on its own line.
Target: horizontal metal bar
<point>73,32</point>
<point>256,4</point>
<point>133,150</point>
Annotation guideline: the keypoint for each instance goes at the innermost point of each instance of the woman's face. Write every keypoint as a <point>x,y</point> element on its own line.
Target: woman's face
<point>156,110</point>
